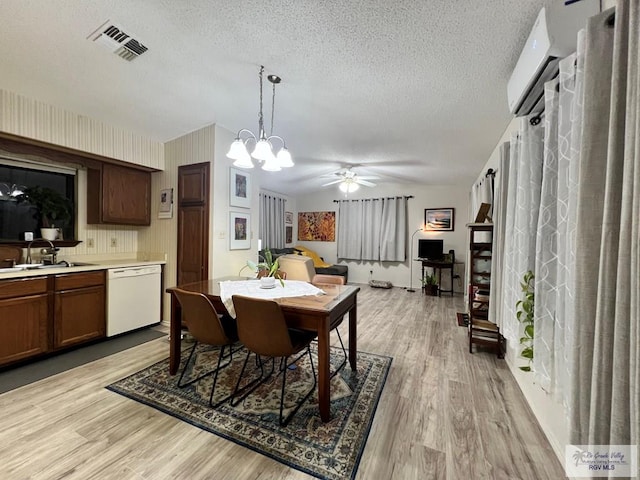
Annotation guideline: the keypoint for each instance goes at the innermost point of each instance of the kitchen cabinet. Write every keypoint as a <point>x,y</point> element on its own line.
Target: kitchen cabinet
<point>80,305</point>
<point>118,195</point>
<point>23,318</point>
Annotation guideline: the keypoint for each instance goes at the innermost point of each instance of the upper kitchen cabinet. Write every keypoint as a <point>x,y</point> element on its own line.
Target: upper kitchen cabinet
<point>118,195</point>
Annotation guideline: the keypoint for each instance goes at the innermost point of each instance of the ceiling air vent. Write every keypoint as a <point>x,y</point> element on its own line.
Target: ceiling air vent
<point>116,40</point>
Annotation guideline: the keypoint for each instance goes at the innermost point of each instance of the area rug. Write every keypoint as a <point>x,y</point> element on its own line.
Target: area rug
<point>463,319</point>
<point>329,450</point>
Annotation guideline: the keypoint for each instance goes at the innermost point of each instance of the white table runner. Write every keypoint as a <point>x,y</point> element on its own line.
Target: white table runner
<point>251,288</point>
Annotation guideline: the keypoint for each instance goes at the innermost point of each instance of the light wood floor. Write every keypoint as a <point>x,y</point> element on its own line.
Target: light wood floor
<point>443,414</point>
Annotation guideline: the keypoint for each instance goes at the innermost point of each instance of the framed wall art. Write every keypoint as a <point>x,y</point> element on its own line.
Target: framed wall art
<point>239,231</point>
<point>317,226</point>
<point>239,188</point>
<point>165,210</point>
<point>439,219</point>
<point>288,218</point>
<point>288,234</point>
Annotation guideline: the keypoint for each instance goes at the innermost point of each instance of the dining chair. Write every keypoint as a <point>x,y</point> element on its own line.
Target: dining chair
<point>263,330</point>
<point>208,327</point>
<point>320,279</point>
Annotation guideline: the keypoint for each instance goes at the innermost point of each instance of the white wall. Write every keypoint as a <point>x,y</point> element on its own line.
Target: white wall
<point>455,196</point>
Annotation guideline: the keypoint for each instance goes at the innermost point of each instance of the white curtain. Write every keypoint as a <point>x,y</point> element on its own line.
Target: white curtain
<point>605,393</point>
<point>501,188</point>
<point>272,228</point>
<point>373,229</point>
<point>523,204</point>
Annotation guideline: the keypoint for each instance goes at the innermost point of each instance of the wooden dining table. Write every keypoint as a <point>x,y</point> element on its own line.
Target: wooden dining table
<point>317,313</point>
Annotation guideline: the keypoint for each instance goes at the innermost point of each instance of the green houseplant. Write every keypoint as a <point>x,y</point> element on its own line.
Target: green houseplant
<point>524,313</point>
<point>430,284</point>
<point>51,208</point>
<point>268,267</point>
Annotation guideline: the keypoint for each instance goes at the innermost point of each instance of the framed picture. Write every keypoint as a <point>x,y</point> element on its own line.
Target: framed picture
<point>440,219</point>
<point>288,218</point>
<point>239,231</point>
<point>288,234</point>
<point>239,188</point>
<point>166,203</point>
<point>317,226</point>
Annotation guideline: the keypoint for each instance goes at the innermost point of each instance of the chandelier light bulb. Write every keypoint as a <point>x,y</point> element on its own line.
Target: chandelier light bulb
<point>284,158</point>
<point>271,164</point>
<point>262,151</point>
<point>348,186</point>
<point>237,150</point>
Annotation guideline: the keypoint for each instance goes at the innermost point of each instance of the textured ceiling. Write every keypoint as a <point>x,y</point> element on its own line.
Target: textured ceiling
<point>414,91</point>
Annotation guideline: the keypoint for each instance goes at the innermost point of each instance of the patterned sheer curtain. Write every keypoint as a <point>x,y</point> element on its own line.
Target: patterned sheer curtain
<point>605,385</point>
<point>373,229</point>
<point>272,229</point>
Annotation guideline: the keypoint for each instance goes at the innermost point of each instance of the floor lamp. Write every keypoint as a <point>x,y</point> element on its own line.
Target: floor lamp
<point>410,289</point>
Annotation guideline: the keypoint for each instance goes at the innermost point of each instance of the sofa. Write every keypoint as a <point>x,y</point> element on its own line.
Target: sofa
<point>321,267</point>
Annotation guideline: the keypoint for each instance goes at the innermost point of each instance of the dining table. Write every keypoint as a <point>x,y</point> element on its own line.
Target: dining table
<point>316,313</point>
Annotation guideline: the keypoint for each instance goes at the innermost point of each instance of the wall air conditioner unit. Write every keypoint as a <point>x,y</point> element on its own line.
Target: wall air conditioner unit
<point>553,37</point>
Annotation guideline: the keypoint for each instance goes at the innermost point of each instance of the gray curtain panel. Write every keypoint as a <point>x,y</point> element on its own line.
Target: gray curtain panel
<point>373,229</point>
<point>272,228</point>
<point>605,401</point>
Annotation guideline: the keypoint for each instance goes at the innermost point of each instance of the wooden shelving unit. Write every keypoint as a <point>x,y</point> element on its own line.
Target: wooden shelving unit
<point>481,330</point>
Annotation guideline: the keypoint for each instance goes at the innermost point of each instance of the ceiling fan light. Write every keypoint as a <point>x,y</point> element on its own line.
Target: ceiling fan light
<point>348,186</point>
<point>263,151</point>
<point>284,158</point>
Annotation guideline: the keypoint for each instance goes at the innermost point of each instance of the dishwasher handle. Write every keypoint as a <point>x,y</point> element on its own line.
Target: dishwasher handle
<point>114,273</point>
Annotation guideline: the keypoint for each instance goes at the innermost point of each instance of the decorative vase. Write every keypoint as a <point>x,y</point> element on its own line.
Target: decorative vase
<point>267,282</point>
<point>49,233</point>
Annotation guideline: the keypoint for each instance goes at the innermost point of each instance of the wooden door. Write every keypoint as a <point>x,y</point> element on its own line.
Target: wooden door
<point>193,223</point>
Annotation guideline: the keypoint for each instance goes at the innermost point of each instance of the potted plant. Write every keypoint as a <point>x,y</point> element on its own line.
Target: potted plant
<point>51,209</point>
<point>430,284</point>
<point>266,270</point>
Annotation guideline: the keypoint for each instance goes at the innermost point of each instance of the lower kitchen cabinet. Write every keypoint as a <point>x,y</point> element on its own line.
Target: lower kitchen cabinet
<point>79,308</point>
<point>43,314</point>
<point>23,319</point>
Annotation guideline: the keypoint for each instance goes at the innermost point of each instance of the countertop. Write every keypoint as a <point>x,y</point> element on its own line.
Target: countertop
<point>95,265</point>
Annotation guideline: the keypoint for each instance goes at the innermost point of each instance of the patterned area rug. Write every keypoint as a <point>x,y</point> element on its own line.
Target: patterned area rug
<point>325,450</point>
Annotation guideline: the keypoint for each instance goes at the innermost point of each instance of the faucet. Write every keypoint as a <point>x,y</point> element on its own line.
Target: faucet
<point>50,251</point>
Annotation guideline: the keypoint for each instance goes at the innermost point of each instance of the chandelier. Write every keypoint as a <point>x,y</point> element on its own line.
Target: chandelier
<point>263,149</point>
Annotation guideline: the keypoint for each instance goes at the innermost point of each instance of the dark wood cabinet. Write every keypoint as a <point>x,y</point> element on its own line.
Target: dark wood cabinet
<point>118,195</point>
<point>23,319</point>
<point>481,330</point>
<point>42,314</point>
<point>79,308</point>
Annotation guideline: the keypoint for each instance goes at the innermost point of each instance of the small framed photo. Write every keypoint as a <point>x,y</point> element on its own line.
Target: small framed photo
<point>288,218</point>
<point>166,203</point>
<point>239,231</point>
<point>288,234</point>
<point>239,188</point>
<point>439,219</point>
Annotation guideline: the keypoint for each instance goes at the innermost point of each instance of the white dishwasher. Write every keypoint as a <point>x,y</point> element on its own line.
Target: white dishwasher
<point>133,298</point>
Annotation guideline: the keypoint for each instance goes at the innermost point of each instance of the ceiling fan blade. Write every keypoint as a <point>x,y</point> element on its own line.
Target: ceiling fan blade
<point>332,183</point>
<point>365,183</point>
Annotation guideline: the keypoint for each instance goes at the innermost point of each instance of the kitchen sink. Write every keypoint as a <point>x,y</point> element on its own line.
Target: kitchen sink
<point>65,264</point>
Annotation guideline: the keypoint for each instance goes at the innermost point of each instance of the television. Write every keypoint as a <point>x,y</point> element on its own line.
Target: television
<point>430,249</point>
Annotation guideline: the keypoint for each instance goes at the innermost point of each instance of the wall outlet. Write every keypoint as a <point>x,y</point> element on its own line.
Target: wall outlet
<point>90,243</point>
<point>221,234</point>
<point>114,242</point>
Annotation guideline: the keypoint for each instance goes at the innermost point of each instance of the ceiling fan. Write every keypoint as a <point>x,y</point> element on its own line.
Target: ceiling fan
<point>349,181</point>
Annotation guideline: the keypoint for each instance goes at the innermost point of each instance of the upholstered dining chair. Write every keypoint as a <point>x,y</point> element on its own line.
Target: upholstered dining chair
<point>206,326</point>
<point>297,267</point>
<point>320,279</point>
<point>263,330</point>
